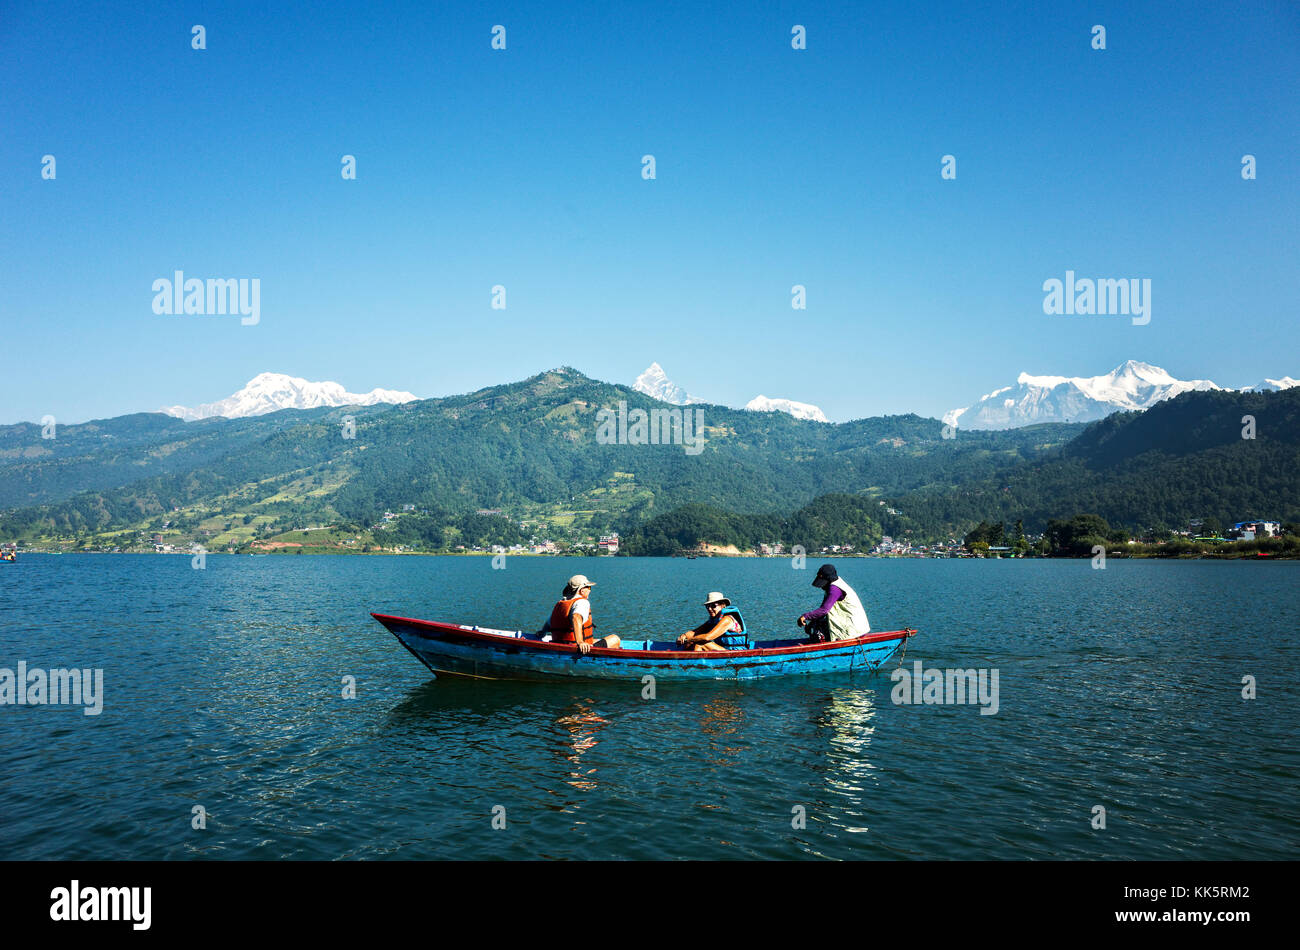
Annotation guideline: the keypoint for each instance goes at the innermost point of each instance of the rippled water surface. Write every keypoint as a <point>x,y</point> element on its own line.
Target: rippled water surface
<point>223,688</point>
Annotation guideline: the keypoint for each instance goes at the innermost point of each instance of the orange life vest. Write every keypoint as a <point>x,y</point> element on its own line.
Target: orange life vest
<point>562,627</point>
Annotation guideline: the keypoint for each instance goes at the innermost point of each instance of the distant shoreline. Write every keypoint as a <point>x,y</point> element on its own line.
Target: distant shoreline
<point>1243,556</point>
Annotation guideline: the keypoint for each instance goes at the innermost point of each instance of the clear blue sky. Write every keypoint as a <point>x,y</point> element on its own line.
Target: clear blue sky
<point>523,168</point>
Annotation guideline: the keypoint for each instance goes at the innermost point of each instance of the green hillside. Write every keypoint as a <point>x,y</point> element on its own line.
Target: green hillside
<point>529,449</point>
<point>525,461</point>
<point>1181,459</point>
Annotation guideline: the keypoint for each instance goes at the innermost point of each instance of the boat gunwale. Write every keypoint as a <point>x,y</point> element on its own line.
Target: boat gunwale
<point>615,653</point>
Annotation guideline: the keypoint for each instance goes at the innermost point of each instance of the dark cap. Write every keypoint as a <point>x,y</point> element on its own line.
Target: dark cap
<point>825,574</point>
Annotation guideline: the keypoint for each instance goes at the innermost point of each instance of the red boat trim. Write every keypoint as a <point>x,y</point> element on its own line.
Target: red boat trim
<point>498,640</point>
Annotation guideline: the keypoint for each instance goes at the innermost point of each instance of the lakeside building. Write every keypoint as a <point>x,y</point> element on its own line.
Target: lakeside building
<point>890,546</point>
<point>1250,530</point>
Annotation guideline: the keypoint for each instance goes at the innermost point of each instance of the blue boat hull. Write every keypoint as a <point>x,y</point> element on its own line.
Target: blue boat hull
<point>458,650</point>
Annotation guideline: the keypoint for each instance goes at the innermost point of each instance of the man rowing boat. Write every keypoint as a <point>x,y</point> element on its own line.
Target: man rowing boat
<point>841,615</point>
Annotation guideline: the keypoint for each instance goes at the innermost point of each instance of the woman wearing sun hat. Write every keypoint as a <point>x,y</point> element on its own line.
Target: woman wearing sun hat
<point>724,630</point>
<point>570,620</point>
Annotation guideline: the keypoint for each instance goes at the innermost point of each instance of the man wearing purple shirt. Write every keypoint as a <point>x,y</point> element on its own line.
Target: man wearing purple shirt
<point>841,615</point>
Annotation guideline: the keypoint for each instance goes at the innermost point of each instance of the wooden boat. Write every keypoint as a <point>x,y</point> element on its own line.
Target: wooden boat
<point>484,653</point>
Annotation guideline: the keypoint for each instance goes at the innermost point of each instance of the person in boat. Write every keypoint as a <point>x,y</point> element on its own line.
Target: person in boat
<point>841,615</point>
<point>570,620</point>
<point>724,630</point>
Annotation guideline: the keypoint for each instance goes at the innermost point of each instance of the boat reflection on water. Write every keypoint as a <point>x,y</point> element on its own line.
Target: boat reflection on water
<point>577,729</point>
<point>721,728</point>
<point>849,718</point>
<point>850,714</point>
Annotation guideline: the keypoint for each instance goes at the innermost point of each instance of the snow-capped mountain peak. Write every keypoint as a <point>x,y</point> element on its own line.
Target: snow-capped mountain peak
<point>800,410</point>
<point>654,382</point>
<point>1131,385</point>
<point>1273,385</point>
<point>269,392</point>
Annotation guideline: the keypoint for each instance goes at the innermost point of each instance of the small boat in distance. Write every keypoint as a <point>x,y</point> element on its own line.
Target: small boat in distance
<point>484,653</point>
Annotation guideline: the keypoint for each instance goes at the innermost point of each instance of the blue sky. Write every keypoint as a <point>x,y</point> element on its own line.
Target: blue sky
<point>522,167</point>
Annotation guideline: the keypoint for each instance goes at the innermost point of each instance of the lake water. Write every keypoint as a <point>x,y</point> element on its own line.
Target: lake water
<point>223,689</point>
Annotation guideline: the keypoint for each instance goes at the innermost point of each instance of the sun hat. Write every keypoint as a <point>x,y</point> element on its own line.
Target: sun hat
<point>714,597</point>
<point>579,581</point>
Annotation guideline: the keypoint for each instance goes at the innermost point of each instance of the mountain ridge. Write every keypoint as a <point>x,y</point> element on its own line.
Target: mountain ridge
<point>530,449</point>
<point>1133,385</point>
<point>800,410</point>
<point>654,382</point>
<point>271,392</point>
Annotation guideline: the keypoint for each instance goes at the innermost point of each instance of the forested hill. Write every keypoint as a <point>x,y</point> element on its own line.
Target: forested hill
<point>40,464</point>
<point>531,451</point>
<point>528,448</point>
<point>1189,457</point>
